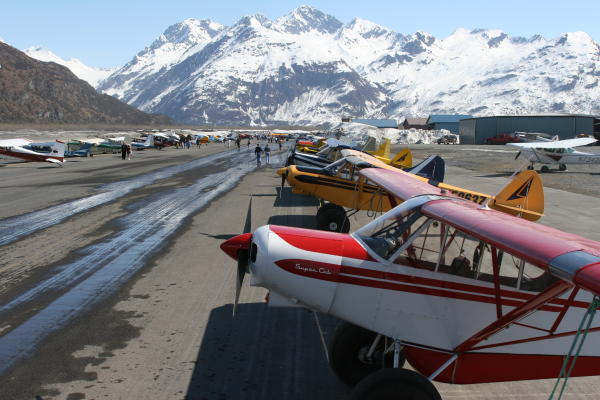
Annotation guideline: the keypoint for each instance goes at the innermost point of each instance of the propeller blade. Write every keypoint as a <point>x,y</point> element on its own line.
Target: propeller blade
<point>283,178</point>
<point>242,264</point>
<point>248,223</point>
<point>517,156</point>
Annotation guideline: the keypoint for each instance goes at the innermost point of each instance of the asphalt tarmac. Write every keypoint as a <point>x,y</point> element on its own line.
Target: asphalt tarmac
<point>123,292</point>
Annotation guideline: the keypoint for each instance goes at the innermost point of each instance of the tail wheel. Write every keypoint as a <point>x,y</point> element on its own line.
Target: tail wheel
<point>333,219</point>
<point>349,354</point>
<point>562,167</point>
<point>395,384</point>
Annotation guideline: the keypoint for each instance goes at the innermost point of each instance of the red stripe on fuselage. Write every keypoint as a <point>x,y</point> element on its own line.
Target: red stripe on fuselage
<point>390,281</point>
<point>333,243</point>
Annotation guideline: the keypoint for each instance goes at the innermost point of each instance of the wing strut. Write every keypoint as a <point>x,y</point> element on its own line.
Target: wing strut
<point>582,331</point>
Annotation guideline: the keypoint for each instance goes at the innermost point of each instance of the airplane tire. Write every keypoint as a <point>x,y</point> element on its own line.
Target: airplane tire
<point>333,219</point>
<point>395,384</point>
<point>530,167</point>
<point>347,354</point>
<point>544,169</point>
<point>325,206</point>
<point>562,167</point>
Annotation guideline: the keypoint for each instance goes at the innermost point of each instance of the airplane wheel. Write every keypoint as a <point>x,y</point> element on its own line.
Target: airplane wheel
<point>530,167</point>
<point>333,219</point>
<point>562,167</point>
<point>348,349</point>
<point>395,384</point>
<point>325,206</point>
<point>544,169</point>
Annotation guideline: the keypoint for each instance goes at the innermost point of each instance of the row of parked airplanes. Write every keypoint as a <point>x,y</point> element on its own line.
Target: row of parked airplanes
<point>55,152</point>
<point>463,285</point>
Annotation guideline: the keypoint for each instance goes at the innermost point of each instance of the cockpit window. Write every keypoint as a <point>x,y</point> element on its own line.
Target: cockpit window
<point>332,169</point>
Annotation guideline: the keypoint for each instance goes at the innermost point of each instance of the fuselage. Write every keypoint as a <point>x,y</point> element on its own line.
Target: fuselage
<point>560,156</point>
<point>435,309</point>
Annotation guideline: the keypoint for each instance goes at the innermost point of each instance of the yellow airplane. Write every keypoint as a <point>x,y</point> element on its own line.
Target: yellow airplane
<point>330,153</point>
<point>310,148</point>
<point>340,185</point>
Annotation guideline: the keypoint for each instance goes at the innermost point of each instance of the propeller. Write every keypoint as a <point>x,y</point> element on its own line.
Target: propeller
<point>517,156</point>
<point>243,257</point>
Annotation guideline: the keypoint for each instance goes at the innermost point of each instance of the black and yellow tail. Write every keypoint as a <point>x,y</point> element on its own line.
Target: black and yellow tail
<point>402,160</point>
<point>523,197</point>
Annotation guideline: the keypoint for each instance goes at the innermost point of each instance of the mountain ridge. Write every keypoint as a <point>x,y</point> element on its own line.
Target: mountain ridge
<point>308,67</point>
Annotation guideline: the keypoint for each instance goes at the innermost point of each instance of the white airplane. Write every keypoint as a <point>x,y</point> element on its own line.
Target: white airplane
<point>149,143</point>
<point>559,152</point>
<point>24,149</point>
<point>464,293</point>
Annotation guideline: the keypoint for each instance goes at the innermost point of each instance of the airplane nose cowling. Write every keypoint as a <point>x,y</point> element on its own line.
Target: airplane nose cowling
<point>240,242</point>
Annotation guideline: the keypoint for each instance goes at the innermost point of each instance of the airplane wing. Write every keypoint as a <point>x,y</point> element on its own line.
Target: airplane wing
<point>567,256</point>
<point>558,144</point>
<point>14,142</point>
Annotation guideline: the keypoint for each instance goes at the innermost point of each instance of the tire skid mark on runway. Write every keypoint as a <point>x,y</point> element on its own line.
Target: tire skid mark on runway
<point>14,228</point>
<point>110,263</point>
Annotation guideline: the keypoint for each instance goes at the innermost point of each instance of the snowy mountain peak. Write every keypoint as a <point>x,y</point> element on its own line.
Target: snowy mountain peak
<point>307,18</point>
<point>368,29</point>
<point>91,75</point>
<point>190,32</point>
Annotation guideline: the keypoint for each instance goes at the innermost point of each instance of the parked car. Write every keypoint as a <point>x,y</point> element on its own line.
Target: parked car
<point>447,139</point>
<point>503,138</point>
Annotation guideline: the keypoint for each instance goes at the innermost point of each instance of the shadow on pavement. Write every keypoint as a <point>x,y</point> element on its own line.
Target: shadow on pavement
<point>264,353</point>
<point>285,198</point>
<point>298,221</point>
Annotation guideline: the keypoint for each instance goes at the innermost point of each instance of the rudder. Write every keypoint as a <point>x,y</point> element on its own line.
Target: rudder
<point>523,196</point>
<point>403,159</point>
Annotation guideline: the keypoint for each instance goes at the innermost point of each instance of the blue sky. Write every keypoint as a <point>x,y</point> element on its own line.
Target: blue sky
<point>109,33</point>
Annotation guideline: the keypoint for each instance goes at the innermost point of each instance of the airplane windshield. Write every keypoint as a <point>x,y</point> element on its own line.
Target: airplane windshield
<point>332,169</point>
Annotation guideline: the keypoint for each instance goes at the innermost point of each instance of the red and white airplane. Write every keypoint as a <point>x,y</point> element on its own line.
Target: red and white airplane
<point>466,294</point>
<point>24,149</point>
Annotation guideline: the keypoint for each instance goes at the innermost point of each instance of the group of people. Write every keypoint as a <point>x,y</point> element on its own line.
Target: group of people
<point>258,152</point>
<point>125,151</point>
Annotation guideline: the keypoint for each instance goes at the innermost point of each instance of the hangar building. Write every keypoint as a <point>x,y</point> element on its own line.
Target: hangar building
<point>566,126</point>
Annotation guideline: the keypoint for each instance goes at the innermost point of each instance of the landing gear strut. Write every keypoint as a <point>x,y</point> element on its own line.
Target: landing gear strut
<point>355,353</point>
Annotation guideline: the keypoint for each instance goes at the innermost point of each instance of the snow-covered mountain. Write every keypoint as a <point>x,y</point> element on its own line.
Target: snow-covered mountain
<point>91,75</point>
<point>309,68</point>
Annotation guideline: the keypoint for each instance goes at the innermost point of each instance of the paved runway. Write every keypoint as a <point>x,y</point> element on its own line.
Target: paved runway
<point>124,294</point>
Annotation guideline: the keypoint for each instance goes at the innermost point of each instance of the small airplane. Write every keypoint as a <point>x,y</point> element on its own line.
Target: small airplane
<point>84,151</point>
<point>340,185</point>
<point>332,152</point>
<point>147,144</point>
<point>559,152</point>
<point>24,149</point>
<point>304,146</point>
<point>464,293</point>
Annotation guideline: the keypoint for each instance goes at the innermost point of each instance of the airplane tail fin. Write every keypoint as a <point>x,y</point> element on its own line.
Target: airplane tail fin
<point>402,160</point>
<point>384,149</point>
<point>149,141</point>
<point>523,196</point>
<point>431,168</point>
<point>58,151</point>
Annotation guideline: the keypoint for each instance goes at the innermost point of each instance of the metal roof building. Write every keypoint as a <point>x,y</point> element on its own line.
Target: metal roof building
<point>448,122</point>
<point>477,130</point>
<point>378,123</point>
